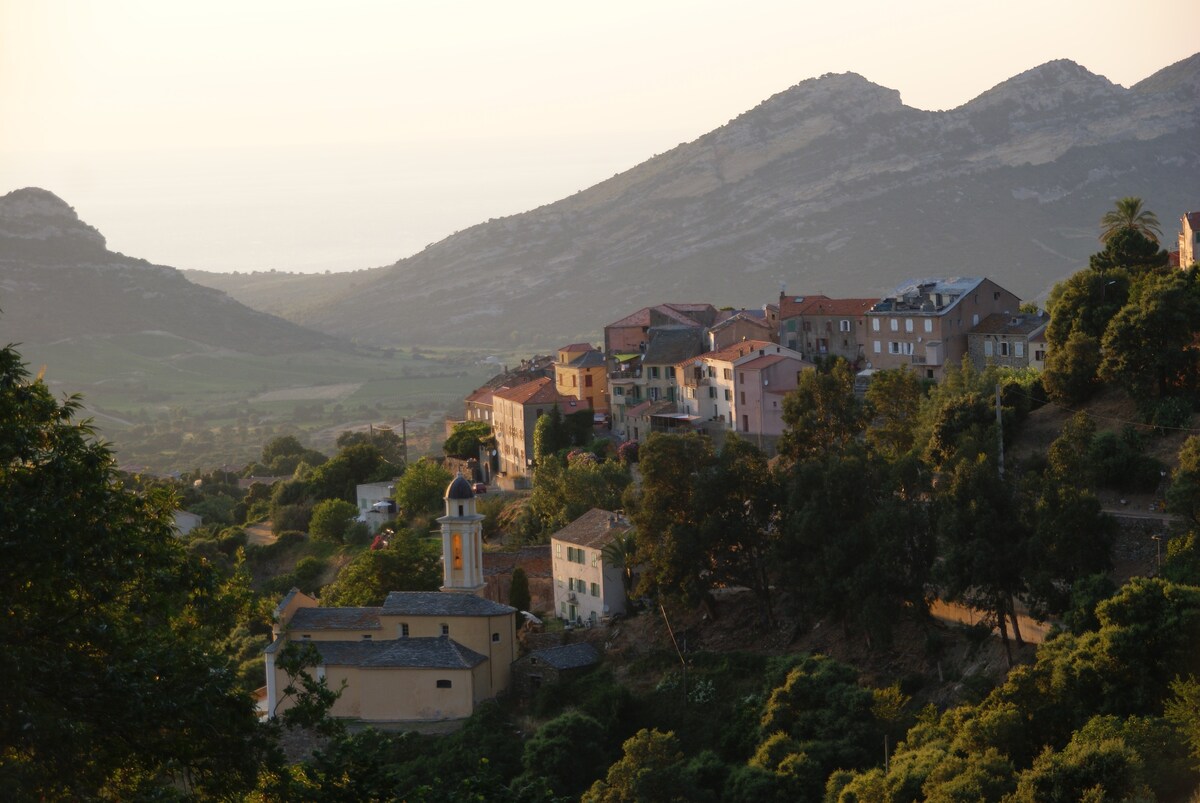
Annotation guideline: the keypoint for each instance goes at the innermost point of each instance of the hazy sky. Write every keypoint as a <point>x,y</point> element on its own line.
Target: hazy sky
<point>337,135</point>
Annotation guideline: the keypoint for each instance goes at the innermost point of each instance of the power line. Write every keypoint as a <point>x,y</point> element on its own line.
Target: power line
<point>1107,417</point>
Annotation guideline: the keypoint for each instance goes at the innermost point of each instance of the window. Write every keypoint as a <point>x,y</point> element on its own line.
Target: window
<point>444,684</point>
<point>654,372</point>
<point>366,636</point>
<point>618,391</point>
<point>574,381</point>
<point>1003,348</point>
<point>741,377</point>
<point>1020,348</point>
<point>728,394</point>
<point>711,372</point>
<point>877,346</point>
<point>908,324</point>
<point>987,348</point>
<point>712,393</point>
<point>445,630</point>
<point>595,589</point>
<point>495,638</point>
<point>875,324</point>
<point>596,559</point>
<point>745,422</point>
<point>894,323</point>
<point>900,348</point>
<point>807,326</point>
<point>728,373</point>
<point>652,394</point>
<point>929,324</point>
<point>975,319</point>
<point>791,324</point>
<point>844,326</point>
<point>404,630</point>
<point>558,550</point>
<point>456,551</point>
<point>743,397</point>
<point>307,635</point>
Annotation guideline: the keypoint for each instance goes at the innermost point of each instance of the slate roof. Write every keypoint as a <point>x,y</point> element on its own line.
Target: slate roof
<point>672,344</point>
<point>440,603</point>
<point>335,619</point>
<point>912,295</point>
<point>1000,324</point>
<point>593,529</point>
<point>685,314</point>
<point>402,653</point>
<point>568,656</point>
<point>756,317</point>
<point>588,359</point>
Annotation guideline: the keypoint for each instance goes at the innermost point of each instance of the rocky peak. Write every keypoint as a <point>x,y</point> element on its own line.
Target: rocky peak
<point>1050,86</point>
<point>1182,77</point>
<point>847,95</point>
<point>32,215</point>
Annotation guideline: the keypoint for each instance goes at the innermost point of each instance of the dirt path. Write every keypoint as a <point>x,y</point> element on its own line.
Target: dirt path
<point>260,534</point>
<point>1032,631</point>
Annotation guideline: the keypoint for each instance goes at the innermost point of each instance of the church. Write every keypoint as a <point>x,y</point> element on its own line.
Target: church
<point>421,655</point>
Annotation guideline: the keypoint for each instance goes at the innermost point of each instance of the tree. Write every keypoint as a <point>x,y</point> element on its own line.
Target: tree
<point>822,413</point>
<point>1129,214</point>
<point>115,687</point>
<point>569,751</point>
<point>518,590</point>
<point>465,439</point>
<point>409,563</point>
<point>385,439</point>
<point>1183,497</point>
<point>894,399</point>
<point>339,477</point>
<point>549,435</point>
<point>1070,374</point>
<point>982,542</point>
<point>422,487</point>
<point>564,491</point>
<point>331,519</point>
<point>1149,346</point>
<point>650,771</point>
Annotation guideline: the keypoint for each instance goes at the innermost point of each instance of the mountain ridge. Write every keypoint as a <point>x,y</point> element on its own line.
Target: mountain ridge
<point>833,183</point>
<point>59,280</point>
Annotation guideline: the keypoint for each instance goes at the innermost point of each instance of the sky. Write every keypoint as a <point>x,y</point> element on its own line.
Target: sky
<point>310,136</point>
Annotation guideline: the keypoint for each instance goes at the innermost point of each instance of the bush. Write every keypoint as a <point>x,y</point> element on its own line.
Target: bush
<point>358,534</point>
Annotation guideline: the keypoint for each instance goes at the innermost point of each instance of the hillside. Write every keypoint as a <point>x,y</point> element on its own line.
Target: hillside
<point>59,280</point>
<point>833,185</point>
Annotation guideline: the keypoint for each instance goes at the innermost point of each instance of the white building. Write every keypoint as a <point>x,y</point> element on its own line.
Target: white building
<point>586,589</point>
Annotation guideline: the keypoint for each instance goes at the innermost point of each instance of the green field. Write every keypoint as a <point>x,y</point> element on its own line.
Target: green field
<point>171,404</point>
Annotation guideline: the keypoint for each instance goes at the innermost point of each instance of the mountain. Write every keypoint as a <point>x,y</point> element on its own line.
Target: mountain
<point>832,186</point>
<point>59,280</point>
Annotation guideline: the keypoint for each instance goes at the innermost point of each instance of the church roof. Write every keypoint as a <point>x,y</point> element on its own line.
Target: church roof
<point>335,619</point>
<point>440,603</point>
<point>402,653</point>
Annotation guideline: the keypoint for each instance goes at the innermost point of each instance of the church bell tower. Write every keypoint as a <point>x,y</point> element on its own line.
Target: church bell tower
<point>462,540</point>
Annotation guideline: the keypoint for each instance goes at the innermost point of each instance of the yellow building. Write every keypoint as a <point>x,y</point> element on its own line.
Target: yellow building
<point>581,372</point>
<point>422,655</point>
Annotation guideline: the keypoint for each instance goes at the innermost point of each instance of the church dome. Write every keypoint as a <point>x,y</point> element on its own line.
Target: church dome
<point>460,488</point>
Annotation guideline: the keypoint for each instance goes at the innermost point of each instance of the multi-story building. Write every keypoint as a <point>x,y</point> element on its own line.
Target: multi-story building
<point>586,587</point>
<point>630,335</point>
<point>741,388</point>
<point>1008,340</point>
<point>738,325</point>
<point>650,376</point>
<point>516,411</point>
<point>923,323</point>
<point>820,326</point>
<point>582,372</point>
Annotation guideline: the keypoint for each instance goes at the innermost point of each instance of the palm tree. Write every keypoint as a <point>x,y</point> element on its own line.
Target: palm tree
<point>620,554</point>
<point>1129,214</point>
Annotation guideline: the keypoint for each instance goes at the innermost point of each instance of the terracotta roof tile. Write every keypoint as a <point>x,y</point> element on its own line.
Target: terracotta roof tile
<point>539,391</point>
